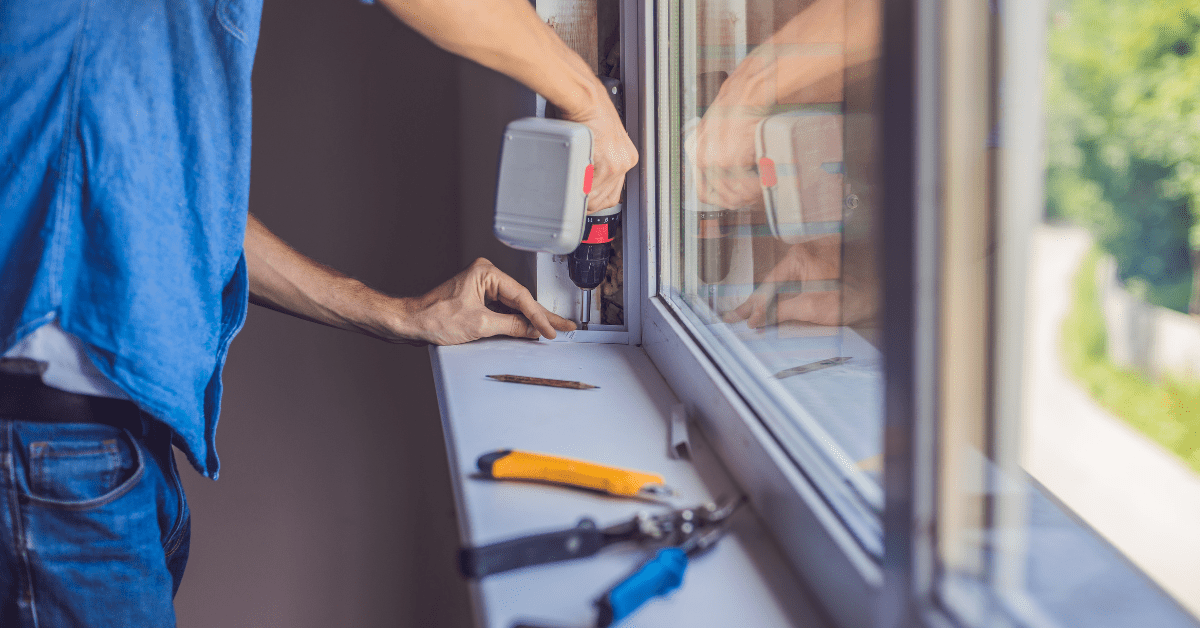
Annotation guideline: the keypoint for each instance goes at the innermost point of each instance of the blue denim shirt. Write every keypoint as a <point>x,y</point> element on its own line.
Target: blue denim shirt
<point>124,179</point>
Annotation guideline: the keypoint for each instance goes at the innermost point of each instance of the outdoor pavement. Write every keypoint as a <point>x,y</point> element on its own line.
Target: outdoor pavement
<point>1135,493</point>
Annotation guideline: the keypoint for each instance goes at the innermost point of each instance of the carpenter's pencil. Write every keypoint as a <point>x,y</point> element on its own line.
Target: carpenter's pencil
<point>541,381</point>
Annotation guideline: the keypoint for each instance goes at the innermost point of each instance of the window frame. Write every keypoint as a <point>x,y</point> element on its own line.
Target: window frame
<point>810,533</point>
<point>856,589</point>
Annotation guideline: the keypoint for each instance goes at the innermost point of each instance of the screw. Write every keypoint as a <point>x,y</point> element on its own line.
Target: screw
<point>852,201</point>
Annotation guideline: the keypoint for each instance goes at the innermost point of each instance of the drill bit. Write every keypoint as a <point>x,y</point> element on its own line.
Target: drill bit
<point>585,313</point>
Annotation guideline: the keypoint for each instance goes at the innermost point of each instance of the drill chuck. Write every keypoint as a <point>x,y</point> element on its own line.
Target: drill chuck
<point>588,263</point>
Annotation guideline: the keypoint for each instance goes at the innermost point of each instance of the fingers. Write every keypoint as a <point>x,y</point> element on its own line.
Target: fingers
<point>508,325</point>
<point>731,190</point>
<point>741,312</point>
<point>613,154</point>
<point>560,323</point>
<point>456,311</point>
<point>819,308</point>
<point>762,312</point>
<point>767,307</point>
<point>754,310</point>
<point>722,151</point>
<point>511,293</point>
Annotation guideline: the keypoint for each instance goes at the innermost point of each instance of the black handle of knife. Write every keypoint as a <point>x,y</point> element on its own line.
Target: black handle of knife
<point>585,539</point>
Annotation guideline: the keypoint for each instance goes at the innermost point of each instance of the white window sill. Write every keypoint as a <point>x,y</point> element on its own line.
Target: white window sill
<point>742,582</point>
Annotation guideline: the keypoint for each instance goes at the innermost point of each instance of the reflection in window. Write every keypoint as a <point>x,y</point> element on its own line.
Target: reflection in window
<point>768,248</point>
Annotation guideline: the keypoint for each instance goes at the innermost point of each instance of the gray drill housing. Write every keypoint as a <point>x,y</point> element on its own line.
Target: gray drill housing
<point>540,198</point>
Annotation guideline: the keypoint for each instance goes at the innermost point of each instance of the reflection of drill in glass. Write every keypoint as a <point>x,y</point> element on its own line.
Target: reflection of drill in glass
<point>587,264</point>
<point>715,248</point>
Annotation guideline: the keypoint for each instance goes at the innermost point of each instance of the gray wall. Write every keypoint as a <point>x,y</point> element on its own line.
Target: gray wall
<point>489,101</point>
<point>334,506</point>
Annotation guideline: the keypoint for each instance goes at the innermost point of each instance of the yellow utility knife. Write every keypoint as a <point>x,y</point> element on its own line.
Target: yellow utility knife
<point>523,465</point>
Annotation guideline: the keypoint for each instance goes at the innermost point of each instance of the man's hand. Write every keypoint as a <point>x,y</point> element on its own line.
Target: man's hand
<point>455,312</point>
<point>722,151</point>
<point>818,259</point>
<point>613,153</point>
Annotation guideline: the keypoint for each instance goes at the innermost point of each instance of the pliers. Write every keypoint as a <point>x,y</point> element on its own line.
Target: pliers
<point>684,527</point>
<point>664,573</point>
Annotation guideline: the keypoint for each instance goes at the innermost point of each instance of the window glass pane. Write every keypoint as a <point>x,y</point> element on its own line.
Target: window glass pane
<point>1069,459</point>
<point>1114,426</point>
<point>767,247</point>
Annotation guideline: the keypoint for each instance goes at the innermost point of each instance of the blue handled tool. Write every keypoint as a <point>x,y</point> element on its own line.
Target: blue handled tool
<point>663,573</point>
<point>660,576</point>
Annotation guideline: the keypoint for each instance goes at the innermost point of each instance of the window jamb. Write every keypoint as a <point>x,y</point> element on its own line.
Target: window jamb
<point>819,546</point>
<point>909,145</point>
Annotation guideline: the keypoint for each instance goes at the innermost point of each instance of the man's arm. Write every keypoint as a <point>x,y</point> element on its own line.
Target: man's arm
<point>509,37</point>
<point>284,280</point>
<point>722,147</point>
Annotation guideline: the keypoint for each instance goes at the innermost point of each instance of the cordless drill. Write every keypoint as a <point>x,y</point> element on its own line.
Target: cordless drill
<point>541,198</point>
<point>588,262</point>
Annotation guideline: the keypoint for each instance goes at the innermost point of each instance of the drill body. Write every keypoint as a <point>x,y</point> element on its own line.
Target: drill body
<point>588,263</point>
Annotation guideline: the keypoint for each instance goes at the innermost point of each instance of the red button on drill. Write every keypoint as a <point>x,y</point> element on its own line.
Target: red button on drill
<point>587,178</point>
<point>766,172</point>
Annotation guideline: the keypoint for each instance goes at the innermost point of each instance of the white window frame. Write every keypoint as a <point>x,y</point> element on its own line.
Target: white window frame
<point>853,587</point>
<point>809,532</point>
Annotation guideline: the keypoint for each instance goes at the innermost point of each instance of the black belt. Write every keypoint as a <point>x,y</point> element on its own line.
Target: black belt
<point>26,398</point>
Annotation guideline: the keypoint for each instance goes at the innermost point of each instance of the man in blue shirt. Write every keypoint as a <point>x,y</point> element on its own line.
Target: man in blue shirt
<point>127,257</point>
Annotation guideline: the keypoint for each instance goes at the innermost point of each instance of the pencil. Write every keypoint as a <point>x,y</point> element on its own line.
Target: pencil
<point>541,381</point>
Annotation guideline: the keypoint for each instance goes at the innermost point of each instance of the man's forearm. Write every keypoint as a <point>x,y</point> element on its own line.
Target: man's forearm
<point>284,280</point>
<point>509,37</point>
<point>456,311</point>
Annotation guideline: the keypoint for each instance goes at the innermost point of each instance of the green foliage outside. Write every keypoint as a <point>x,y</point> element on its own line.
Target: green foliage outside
<point>1167,411</point>
<point>1123,132</point>
<point>1173,294</point>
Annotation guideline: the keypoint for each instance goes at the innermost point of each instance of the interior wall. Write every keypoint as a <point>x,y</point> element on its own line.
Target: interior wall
<point>334,507</point>
<point>488,102</point>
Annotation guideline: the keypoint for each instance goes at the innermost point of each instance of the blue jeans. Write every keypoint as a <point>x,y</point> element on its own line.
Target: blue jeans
<point>94,526</point>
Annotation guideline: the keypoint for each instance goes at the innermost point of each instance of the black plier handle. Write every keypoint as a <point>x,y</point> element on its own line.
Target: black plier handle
<point>674,527</point>
<point>585,539</point>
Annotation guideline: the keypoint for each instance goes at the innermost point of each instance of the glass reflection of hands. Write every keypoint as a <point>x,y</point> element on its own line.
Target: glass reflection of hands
<point>784,297</point>
<point>777,298</point>
<point>801,63</point>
